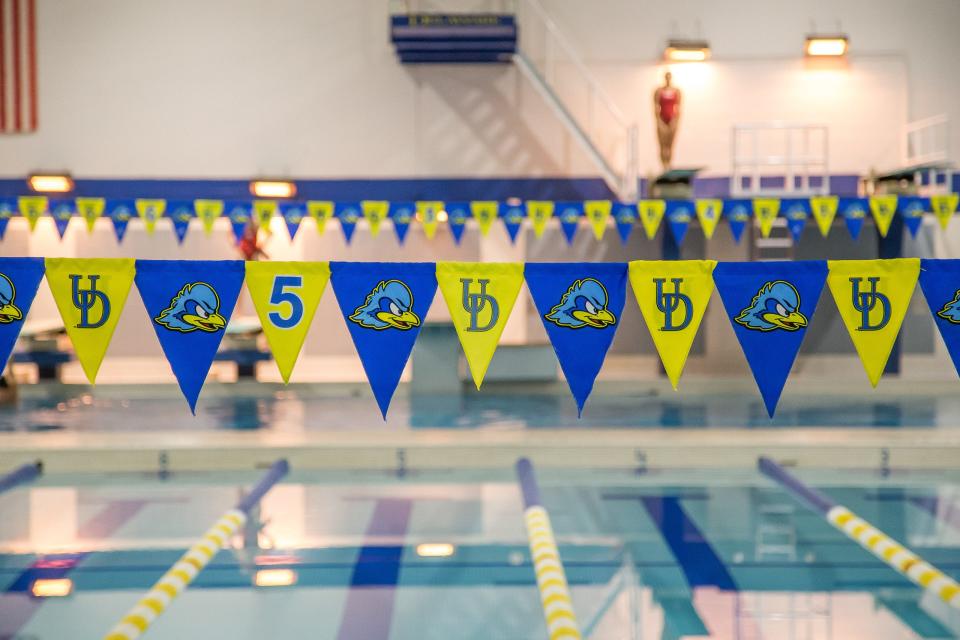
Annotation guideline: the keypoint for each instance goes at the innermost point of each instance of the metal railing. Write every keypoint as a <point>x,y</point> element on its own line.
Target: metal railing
<point>796,153</point>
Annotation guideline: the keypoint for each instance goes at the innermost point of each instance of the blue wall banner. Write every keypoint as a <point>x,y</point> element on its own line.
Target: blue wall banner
<point>569,214</point>
<point>180,213</point>
<point>770,305</point>
<point>19,280</point>
<point>854,211</point>
<point>458,213</point>
<point>625,216</point>
<point>121,212</point>
<point>679,215</point>
<point>348,213</point>
<point>580,305</point>
<point>402,214</point>
<point>738,213</point>
<point>940,282</point>
<point>293,214</point>
<point>189,304</point>
<point>384,305</point>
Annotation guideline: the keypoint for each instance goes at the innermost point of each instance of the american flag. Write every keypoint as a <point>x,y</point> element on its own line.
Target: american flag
<point>18,66</point>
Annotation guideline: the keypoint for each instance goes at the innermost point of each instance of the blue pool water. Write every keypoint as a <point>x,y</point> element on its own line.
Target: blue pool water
<point>666,554</point>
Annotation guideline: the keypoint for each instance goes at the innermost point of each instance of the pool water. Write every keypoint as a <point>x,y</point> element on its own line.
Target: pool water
<point>666,554</point>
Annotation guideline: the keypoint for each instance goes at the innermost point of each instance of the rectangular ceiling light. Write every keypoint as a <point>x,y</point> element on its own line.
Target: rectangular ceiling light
<point>275,578</point>
<point>50,183</point>
<point>435,550</point>
<point>833,46</point>
<point>273,188</point>
<point>687,51</point>
<point>51,587</point>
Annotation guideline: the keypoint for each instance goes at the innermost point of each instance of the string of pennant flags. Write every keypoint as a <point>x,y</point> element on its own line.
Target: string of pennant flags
<point>770,306</point>
<point>648,214</point>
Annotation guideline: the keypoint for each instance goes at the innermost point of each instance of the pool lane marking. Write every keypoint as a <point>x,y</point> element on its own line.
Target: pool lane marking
<point>368,610</point>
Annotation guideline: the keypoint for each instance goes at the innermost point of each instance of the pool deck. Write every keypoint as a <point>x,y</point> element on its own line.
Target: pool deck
<point>391,449</point>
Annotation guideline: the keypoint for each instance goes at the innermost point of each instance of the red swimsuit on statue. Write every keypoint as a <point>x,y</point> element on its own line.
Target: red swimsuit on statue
<point>668,104</point>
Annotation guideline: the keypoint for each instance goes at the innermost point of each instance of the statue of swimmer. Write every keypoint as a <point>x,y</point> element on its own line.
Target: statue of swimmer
<point>666,110</point>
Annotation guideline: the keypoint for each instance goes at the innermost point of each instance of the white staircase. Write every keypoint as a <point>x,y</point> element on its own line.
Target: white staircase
<point>557,71</point>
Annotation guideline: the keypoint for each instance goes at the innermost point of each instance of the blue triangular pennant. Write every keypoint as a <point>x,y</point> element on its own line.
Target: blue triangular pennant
<point>384,305</point>
<point>8,209</point>
<point>797,212</point>
<point>580,305</point>
<point>19,280</point>
<point>458,213</point>
<point>738,214</point>
<point>679,213</point>
<point>513,216</point>
<point>402,214</point>
<point>61,210</point>
<point>348,213</point>
<point>854,210</point>
<point>569,214</point>
<point>625,216</point>
<point>180,213</point>
<point>239,213</point>
<point>189,303</point>
<point>912,209</point>
<point>121,212</point>
<point>940,282</point>
<point>770,305</point>
<point>293,214</point>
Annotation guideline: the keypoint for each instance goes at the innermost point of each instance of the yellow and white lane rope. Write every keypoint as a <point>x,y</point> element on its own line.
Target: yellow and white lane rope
<point>551,580</point>
<point>895,554</point>
<point>174,581</point>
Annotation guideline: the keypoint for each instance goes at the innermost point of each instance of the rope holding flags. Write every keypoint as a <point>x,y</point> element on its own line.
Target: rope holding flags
<point>769,305</point>
<point>514,213</point>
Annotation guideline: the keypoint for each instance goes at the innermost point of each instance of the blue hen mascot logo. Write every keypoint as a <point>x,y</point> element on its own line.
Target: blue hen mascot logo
<point>389,306</point>
<point>776,306</point>
<point>195,308</point>
<point>950,311</point>
<point>9,312</point>
<point>583,305</point>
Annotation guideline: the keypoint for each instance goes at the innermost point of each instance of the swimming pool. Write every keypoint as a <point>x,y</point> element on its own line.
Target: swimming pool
<point>668,553</point>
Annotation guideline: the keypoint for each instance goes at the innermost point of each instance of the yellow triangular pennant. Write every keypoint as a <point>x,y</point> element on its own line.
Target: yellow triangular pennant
<point>597,212</point>
<point>480,297</point>
<point>673,295</point>
<point>485,211</point>
<point>208,211</point>
<point>651,215</point>
<point>375,211</point>
<point>428,212</point>
<point>285,295</point>
<point>320,211</point>
<point>539,212</point>
<point>708,213</point>
<point>90,294</point>
<point>944,205</point>
<point>766,210</point>
<point>824,210</point>
<point>31,208</point>
<point>150,211</point>
<point>883,209</point>
<point>90,209</point>
<point>873,296</point>
<point>263,213</point>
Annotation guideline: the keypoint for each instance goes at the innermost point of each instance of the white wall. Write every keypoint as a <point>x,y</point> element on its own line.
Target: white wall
<point>312,89</point>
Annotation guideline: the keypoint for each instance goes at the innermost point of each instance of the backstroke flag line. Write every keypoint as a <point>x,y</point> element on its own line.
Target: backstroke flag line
<point>873,296</point>
<point>90,294</point>
<point>708,213</point>
<point>770,305</point>
<point>883,208</point>
<point>19,280</point>
<point>189,303</point>
<point>673,295</point>
<point>824,209</point>
<point>286,295</point>
<point>384,305</point>
<point>580,305</point>
<point>480,297</point>
<point>940,282</point>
